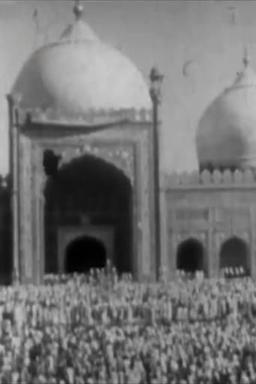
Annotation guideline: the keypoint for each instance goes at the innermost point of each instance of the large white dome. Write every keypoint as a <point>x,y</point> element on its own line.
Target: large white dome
<point>80,73</point>
<point>226,135</point>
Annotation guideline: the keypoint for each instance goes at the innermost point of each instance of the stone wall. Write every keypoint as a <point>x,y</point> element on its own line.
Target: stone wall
<point>209,207</point>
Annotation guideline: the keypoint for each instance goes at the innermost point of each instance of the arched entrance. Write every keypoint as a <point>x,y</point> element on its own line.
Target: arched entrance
<point>89,191</point>
<point>190,256</point>
<point>84,254</point>
<point>234,257</point>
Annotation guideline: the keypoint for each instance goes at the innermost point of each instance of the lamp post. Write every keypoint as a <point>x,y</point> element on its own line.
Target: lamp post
<point>156,79</point>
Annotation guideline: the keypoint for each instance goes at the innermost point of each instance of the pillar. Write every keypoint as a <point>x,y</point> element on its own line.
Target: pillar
<point>14,161</point>
<point>252,253</point>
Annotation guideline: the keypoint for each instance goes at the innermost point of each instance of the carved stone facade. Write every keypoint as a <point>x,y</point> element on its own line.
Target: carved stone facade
<point>208,207</point>
<point>211,208</point>
<point>127,145</point>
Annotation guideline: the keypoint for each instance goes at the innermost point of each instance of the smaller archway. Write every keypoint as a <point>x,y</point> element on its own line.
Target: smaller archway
<point>234,257</point>
<point>190,256</point>
<point>83,254</point>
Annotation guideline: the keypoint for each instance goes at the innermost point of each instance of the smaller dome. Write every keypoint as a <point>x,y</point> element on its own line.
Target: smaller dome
<point>226,135</point>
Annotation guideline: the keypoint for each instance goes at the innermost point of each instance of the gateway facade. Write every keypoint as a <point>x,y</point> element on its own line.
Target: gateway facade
<point>83,189</point>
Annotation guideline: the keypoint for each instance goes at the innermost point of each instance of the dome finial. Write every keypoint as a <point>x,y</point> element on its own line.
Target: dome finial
<point>78,9</point>
<point>246,58</point>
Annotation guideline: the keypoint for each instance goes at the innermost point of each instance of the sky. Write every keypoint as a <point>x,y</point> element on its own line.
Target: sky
<point>197,45</point>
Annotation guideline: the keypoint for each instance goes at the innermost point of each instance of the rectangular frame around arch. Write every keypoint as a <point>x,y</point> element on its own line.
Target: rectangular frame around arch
<point>32,143</point>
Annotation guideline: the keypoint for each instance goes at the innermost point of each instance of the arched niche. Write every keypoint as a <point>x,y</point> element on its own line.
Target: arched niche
<point>84,254</point>
<point>234,253</point>
<point>190,256</point>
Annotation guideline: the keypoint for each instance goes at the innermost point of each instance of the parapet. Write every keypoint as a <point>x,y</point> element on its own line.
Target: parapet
<point>91,118</point>
<point>207,179</point>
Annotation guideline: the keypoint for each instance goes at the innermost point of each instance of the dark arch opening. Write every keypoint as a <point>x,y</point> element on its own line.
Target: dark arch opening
<point>234,257</point>
<point>83,254</point>
<point>89,191</point>
<point>190,256</point>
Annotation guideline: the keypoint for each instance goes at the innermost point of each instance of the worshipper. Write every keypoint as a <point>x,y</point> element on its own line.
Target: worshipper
<point>105,328</point>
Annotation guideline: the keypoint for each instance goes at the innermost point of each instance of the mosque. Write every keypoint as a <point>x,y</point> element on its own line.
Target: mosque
<point>84,186</point>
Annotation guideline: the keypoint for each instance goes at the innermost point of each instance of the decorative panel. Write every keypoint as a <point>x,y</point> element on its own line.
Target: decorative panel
<point>121,156</point>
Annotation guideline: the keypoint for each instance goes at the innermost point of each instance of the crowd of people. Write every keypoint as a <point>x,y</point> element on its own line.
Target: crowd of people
<point>101,328</point>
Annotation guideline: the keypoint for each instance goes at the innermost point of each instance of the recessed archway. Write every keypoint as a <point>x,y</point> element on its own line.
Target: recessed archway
<point>89,190</point>
<point>84,254</point>
<point>234,256</point>
<point>190,256</point>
